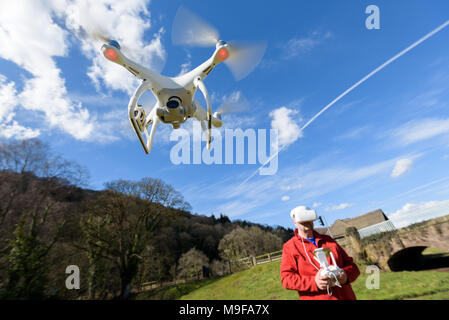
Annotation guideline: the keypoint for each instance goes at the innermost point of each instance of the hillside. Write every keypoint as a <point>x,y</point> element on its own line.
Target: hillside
<point>263,283</point>
<point>147,222</point>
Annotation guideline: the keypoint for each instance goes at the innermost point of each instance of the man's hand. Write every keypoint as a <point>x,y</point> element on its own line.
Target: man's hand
<point>343,277</point>
<point>321,281</point>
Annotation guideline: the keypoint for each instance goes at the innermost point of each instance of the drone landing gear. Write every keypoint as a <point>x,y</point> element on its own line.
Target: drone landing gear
<point>140,122</point>
<point>141,129</point>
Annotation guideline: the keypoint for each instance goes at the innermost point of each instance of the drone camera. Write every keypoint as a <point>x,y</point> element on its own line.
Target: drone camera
<point>173,102</point>
<point>173,112</point>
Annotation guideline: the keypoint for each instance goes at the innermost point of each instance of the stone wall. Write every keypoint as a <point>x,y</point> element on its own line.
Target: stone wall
<point>380,248</point>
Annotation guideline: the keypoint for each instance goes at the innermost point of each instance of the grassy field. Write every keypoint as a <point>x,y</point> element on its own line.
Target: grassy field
<point>263,283</point>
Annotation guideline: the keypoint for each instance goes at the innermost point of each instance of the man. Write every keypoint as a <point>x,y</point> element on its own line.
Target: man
<point>301,272</point>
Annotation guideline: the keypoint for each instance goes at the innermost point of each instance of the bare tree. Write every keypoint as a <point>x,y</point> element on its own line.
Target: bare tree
<point>153,190</point>
<point>31,218</point>
<point>191,264</point>
<point>116,228</point>
<point>253,241</point>
<point>35,156</point>
<point>32,159</point>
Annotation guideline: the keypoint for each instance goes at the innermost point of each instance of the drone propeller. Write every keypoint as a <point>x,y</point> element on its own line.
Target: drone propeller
<point>233,104</point>
<point>92,34</point>
<point>190,29</point>
<point>97,34</point>
<point>244,57</point>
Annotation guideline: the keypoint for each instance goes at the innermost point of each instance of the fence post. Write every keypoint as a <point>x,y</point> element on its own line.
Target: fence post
<point>269,257</point>
<point>254,261</point>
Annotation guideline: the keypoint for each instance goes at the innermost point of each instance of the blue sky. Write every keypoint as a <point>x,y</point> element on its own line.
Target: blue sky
<point>383,145</point>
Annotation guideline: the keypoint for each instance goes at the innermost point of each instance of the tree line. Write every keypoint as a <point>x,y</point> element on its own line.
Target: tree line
<point>130,233</point>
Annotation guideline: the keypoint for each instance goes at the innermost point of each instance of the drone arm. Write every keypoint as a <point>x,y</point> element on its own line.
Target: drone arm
<point>203,69</point>
<point>141,72</point>
<point>139,91</point>
<point>198,82</point>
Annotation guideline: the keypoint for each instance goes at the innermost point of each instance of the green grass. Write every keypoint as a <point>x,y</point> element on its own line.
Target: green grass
<point>172,292</point>
<point>436,296</point>
<point>402,285</point>
<point>263,283</point>
<point>432,250</point>
<point>259,283</point>
<point>435,251</point>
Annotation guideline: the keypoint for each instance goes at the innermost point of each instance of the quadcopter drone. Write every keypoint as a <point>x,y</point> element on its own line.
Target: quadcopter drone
<point>175,95</point>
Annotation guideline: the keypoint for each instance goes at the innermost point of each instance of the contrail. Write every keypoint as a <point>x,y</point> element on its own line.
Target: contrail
<point>400,54</point>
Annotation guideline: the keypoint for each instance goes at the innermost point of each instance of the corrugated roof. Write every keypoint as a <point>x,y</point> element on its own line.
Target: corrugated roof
<point>338,229</point>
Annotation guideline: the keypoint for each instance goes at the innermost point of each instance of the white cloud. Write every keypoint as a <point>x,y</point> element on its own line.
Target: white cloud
<point>298,46</point>
<point>8,99</point>
<point>415,212</point>
<point>9,128</point>
<point>317,178</point>
<point>186,66</point>
<point>47,94</point>
<point>15,131</point>
<point>339,207</point>
<point>126,22</point>
<point>320,178</point>
<point>288,128</point>
<point>238,207</point>
<point>401,167</point>
<point>419,130</point>
<point>291,187</point>
<point>285,198</point>
<point>353,134</point>
<point>35,39</point>
<point>233,103</point>
<point>316,204</point>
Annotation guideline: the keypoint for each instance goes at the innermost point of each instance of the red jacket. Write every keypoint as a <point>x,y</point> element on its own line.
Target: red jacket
<point>297,273</point>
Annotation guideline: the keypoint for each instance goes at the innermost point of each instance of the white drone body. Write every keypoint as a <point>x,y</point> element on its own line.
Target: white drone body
<point>175,95</point>
<point>175,103</point>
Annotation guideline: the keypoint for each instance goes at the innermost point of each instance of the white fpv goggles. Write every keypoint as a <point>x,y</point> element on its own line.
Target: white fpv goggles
<point>303,214</point>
